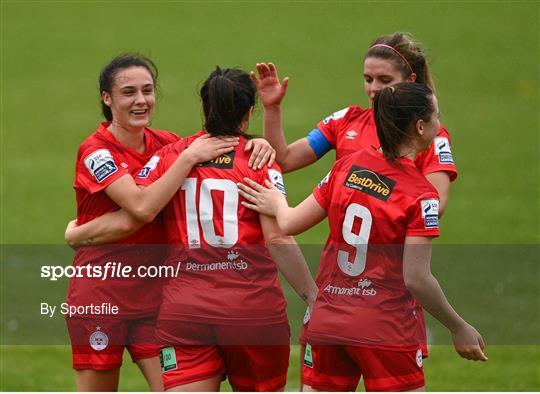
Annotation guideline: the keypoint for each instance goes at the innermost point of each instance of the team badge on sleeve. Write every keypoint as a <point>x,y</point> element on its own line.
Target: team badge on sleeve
<point>430,212</point>
<point>148,167</point>
<point>100,164</point>
<point>442,150</point>
<point>336,115</point>
<point>277,179</point>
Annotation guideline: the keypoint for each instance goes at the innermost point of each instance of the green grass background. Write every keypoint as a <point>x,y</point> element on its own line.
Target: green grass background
<point>485,60</point>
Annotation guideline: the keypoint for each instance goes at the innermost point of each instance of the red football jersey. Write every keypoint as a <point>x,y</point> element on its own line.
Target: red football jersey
<point>101,160</point>
<point>227,275</point>
<point>372,206</point>
<point>353,128</point>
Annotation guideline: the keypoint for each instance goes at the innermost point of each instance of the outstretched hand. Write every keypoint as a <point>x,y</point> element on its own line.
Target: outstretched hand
<point>264,200</point>
<point>271,90</point>
<point>206,148</point>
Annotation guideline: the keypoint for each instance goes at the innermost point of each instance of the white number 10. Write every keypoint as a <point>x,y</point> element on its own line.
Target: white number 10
<point>359,241</point>
<point>206,212</point>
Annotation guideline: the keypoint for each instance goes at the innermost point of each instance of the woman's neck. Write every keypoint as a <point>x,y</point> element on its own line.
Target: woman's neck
<point>408,151</point>
<point>131,138</point>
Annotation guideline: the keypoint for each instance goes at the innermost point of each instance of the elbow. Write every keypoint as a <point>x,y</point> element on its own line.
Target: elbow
<point>144,215</point>
<point>279,239</point>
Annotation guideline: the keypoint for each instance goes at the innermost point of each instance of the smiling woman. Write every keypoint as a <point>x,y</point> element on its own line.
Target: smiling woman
<point>107,162</point>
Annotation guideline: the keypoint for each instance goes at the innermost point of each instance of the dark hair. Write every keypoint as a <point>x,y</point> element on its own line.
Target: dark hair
<point>397,109</point>
<point>409,49</point>
<point>227,95</point>
<point>121,62</point>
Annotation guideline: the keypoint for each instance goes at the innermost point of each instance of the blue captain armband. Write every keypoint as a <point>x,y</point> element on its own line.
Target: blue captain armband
<point>318,143</point>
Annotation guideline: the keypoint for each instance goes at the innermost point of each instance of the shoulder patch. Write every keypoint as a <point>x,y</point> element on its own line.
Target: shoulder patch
<point>336,115</point>
<point>442,150</point>
<point>149,167</point>
<point>101,164</point>
<point>277,179</point>
<point>430,212</point>
<point>225,161</point>
<point>324,180</point>
<point>369,182</point>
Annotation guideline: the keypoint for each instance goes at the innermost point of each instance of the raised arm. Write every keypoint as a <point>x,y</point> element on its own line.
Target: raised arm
<point>145,204</point>
<point>271,93</point>
<point>423,285</point>
<point>289,259</point>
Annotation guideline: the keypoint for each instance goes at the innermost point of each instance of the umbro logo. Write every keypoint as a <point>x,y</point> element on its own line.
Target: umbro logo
<point>351,135</point>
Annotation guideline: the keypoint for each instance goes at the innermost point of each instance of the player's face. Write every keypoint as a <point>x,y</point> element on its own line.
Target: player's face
<point>380,73</point>
<point>132,99</point>
<point>432,126</point>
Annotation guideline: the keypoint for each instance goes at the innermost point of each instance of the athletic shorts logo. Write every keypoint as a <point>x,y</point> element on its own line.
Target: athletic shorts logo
<point>224,162</point>
<point>98,340</point>
<point>419,358</point>
<point>430,212</point>
<point>336,115</point>
<point>277,179</point>
<point>369,182</point>
<point>442,150</point>
<point>167,358</point>
<point>149,167</point>
<point>308,356</point>
<point>100,164</point>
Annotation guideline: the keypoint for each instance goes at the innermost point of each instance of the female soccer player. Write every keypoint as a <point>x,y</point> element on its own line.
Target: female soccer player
<point>225,312</point>
<point>107,162</point>
<point>390,59</point>
<point>383,214</point>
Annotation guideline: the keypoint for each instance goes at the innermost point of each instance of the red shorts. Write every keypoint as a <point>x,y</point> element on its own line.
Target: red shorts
<point>339,368</point>
<point>250,364</point>
<point>99,344</point>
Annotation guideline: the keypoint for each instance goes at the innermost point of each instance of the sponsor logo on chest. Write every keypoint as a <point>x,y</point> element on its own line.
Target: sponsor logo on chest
<point>369,182</point>
<point>225,161</point>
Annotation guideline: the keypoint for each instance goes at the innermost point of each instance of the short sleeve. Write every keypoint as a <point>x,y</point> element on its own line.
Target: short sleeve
<point>424,217</point>
<point>322,190</point>
<point>329,126</point>
<point>158,164</point>
<point>438,157</point>
<point>274,175</point>
<point>97,168</point>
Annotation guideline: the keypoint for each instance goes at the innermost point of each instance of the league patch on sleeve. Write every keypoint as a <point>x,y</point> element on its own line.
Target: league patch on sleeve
<point>100,164</point>
<point>149,167</point>
<point>336,115</point>
<point>277,179</point>
<point>442,150</point>
<point>324,180</point>
<point>430,212</point>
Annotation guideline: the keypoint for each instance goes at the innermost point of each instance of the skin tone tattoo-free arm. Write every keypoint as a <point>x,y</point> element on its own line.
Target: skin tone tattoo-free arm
<point>423,285</point>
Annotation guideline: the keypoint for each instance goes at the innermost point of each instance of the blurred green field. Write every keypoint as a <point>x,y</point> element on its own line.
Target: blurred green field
<point>485,59</point>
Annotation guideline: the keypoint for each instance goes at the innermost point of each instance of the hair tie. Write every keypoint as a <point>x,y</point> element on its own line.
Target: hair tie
<point>396,52</point>
<point>392,89</point>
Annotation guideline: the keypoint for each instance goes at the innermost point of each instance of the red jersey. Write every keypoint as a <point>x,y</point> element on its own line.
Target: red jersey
<point>101,160</point>
<point>353,128</point>
<point>227,275</point>
<point>372,206</point>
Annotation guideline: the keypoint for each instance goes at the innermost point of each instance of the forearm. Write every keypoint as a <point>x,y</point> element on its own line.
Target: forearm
<point>428,292</point>
<point>293,266</point>
<point>107,228</point>
<point>154,197</point>
<point>273,132</point>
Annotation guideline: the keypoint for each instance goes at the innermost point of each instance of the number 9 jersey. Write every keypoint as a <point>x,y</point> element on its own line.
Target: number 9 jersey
<point>372,206</point>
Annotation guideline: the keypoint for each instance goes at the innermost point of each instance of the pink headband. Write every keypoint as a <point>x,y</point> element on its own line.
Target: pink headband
<point>396,52</point>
